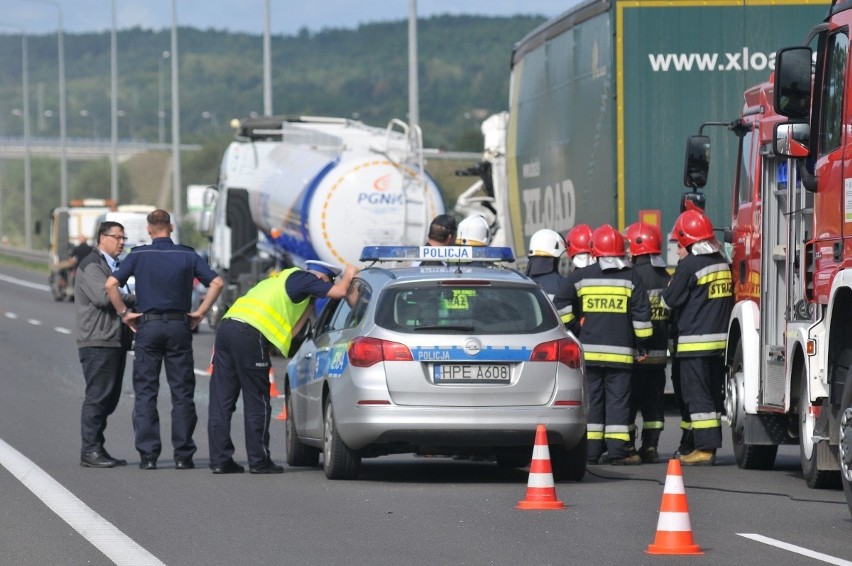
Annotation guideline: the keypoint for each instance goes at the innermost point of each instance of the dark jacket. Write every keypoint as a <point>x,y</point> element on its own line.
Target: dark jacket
<point>655,280</point>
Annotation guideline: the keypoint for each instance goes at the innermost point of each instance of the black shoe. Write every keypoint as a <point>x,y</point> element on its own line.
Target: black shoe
<point>229,467</point>
<point>184,464</point>
<point>97,460</point>
<point>268,467</point>
<point>148,463</point>
<point>118,462</point>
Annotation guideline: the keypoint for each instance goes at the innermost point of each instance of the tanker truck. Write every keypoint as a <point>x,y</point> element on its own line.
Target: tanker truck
<point>295,188</point>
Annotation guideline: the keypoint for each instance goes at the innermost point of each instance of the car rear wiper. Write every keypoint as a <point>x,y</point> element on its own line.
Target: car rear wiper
<point>465,327</point>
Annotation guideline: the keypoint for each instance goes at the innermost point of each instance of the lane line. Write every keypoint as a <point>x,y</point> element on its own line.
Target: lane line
<point>22,283</point>
<point>797,549</point>
<point>34,321</point>
<point>62,330</point>
<point>200,372</point>
<point>116,545</point>
<point>11,315</point>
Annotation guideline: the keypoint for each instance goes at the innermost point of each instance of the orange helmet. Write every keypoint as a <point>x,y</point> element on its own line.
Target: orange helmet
<point>692,226</point>
<point>578,240</point>
<point>607,242</point>
<point>644,239</point>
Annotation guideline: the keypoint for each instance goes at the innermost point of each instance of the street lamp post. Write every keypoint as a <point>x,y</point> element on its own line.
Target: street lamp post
<point>176,189</point>
<point>25,114</point>
<point>113,110</point>
<point>161,111</point>
<point>63,167</point>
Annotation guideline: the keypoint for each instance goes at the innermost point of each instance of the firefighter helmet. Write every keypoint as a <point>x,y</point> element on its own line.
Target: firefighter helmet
<point>607,242</point>
<point>578,239</point>
<point>644,238</point>
<point>546,243</point>
<point>692,226</point>
<point>473,231</point>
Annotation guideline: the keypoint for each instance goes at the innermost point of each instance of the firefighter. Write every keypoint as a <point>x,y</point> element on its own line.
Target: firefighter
<point>645,244</point>
<point>611,299</point>
<point>545,250</point>
<point>473,231</point>
<point>577,242</point>
<point>700,293</point>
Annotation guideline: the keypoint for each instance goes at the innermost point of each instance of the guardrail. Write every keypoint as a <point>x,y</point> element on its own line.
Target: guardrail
<point>32,256</point>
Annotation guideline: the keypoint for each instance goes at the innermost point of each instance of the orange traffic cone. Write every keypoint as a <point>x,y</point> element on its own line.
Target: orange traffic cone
<point>210,367</point>
<point>273,389</point>
<point>674,532</point>
<point>282,416</point>
<point>541,493</point>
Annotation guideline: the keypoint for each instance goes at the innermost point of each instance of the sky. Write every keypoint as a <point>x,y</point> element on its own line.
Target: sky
<point>287,17</point>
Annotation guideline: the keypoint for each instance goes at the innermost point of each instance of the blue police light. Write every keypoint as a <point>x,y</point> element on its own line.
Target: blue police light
<point>449,254</point>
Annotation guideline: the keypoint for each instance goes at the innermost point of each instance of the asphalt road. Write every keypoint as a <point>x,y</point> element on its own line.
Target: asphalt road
<point>402,509</point>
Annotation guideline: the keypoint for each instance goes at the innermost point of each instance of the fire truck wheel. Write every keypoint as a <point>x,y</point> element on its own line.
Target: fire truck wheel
<point>748,456</point>
<point>845,444</point>
<point>809,450</point>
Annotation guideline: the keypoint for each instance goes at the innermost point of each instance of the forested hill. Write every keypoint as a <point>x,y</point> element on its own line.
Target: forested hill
<point>363,72</point>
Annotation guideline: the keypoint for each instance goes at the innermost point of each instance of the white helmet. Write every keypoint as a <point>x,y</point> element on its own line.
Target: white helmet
<point>546,243</point>
<point>473,231</point>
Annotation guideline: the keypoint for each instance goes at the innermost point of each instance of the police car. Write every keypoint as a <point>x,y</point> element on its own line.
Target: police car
<point>449,356</point>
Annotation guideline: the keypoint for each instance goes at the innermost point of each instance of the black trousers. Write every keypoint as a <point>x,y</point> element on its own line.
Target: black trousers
<point>169,343</point>
<point>609,410</point>
<point>647,395</point>
<point>701,382</point>
<point>103,370</point>
<point>240,363</point>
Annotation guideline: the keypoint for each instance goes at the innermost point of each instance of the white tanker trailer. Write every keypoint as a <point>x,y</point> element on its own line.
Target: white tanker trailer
<point>298,188</point>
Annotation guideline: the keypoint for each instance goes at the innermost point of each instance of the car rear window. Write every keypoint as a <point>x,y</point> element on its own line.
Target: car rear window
<point>478,309</point>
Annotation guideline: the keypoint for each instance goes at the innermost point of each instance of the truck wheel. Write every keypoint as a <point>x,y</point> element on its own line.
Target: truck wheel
<point>845,444</point>
<point>748,456</point>
<point>339,461</point>
<point>809,450</point>
<point>569,465</point>
<point>297,453</point>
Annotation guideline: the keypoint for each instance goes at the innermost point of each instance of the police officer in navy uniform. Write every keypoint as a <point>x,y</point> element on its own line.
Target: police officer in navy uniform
<point>269,314</point>
<point>700,293</point>
<point>610,298</point>
<point>164,273</point>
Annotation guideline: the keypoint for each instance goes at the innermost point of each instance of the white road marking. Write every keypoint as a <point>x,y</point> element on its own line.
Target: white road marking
<point>797,549</point>
<point>200,372</point>
<point>116,545</point>
<point>61,330</point>
<point>34,321</point>
<point>21,282</point>
<point>11,315</point>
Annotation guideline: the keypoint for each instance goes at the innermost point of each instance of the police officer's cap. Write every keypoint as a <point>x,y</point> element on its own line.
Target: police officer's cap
<point>323,267</point>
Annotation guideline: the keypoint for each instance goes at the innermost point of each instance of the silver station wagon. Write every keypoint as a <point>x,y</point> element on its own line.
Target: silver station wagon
<point>462,359</point>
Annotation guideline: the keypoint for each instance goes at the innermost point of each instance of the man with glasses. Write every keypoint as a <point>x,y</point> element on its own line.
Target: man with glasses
<point>99,342</point>
<point>164,274</point>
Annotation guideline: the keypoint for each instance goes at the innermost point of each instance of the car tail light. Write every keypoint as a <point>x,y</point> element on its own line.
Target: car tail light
<point>565,351</point>
<point>364,352</point>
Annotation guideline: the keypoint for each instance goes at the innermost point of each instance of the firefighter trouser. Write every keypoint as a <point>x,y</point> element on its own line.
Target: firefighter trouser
<point>647,394</point>
<point>609,411</point>
<point>687,444</point>
<point>701,380</point>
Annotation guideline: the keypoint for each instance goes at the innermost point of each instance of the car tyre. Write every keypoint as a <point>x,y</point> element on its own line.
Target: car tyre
<point>297,453</point>
<point>339,461</point>
<point>569,465</point>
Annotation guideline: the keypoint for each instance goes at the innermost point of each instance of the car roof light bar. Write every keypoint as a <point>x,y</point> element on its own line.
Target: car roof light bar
<point>449,254</point>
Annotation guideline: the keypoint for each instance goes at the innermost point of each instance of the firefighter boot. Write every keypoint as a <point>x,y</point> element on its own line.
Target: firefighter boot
<point>699,458</point>
<point>687,443</point>
<point>648,450</point>
<point>631,445</point>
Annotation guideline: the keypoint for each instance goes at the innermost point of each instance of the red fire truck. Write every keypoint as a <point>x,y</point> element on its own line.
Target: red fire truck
<point>789,350</point>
